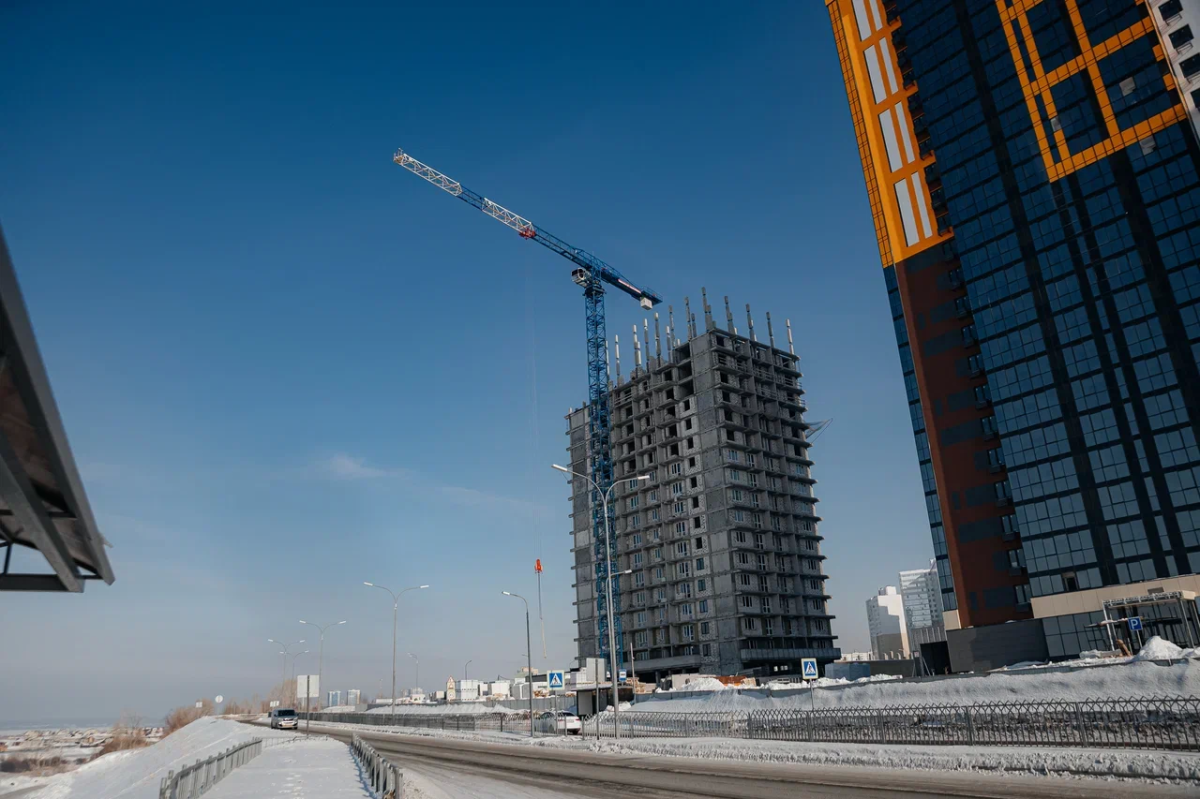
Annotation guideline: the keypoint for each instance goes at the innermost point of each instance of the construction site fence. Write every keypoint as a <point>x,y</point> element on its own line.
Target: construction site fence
<point>498,722</point>
<point>384,777</point>
<point>1144,723</point>
<point>198,779</point>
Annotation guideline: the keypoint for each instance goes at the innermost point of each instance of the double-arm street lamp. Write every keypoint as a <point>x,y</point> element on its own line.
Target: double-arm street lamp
<point>293,656</point>
<point>613,654</point>
<point>395,605</point>
<point>286,647</point>
<point>320,670</point>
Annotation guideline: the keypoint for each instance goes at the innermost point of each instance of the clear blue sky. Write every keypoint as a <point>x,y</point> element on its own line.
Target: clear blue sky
<point>287,366</point>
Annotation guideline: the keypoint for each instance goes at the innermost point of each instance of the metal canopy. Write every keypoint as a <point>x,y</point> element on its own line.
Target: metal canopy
<point>42,502</point>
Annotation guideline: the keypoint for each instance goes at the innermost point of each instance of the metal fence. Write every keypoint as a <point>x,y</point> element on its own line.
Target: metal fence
<point>1157,723</point>
<point>196,780</point>
<point>385,778</point>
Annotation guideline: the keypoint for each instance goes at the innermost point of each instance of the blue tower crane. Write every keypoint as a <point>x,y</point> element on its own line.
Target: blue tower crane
<point>591,274</point>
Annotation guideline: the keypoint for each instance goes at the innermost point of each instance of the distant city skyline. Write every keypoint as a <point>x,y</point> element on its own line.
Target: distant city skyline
<point>280,359</point>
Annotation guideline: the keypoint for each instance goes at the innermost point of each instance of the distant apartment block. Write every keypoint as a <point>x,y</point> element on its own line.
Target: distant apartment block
<point>885,620</point>
<point>922,599</point>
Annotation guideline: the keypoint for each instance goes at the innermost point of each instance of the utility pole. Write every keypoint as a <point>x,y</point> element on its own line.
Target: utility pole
<point>418,685</point>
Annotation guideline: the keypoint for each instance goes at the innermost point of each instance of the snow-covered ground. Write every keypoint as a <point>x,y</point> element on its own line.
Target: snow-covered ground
<point>1066,761</point>
<point>312,769</point>
<point>137,773</point>
<point>1125,679</point>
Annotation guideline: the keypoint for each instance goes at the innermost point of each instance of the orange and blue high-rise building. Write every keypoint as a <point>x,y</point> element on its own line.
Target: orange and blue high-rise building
<point>1033,170</point>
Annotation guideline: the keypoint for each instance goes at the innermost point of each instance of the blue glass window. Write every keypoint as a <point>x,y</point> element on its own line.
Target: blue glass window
<point>1177,447</point>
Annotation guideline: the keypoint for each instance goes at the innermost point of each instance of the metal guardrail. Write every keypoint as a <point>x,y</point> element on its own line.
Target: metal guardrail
<point>1142,723</point>
<point>384,778</point>
<point>198,779</point>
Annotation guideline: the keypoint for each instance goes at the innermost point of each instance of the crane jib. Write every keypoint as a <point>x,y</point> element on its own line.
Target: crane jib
<point>591,271</point>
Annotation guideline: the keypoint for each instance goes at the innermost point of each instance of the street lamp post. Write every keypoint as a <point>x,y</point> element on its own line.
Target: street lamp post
<point>320,670</point>
<point>528,658</point>
<point>395,605</point>
<point>286,647</point>
<point>613,655</point>
<point>418,675</point>
<point>468,663</point>
<point>293,656</point>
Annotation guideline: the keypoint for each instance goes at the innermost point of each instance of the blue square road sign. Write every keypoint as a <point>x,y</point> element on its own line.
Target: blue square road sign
<point>808,668</point>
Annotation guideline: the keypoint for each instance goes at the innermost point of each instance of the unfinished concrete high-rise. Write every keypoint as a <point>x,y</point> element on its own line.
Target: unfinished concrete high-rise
<point>718,559</point>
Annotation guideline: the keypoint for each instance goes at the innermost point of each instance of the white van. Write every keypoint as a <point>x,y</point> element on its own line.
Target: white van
<point>284,718</point>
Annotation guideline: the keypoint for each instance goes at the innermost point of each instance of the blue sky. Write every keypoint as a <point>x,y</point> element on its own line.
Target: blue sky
<point>287,366</point>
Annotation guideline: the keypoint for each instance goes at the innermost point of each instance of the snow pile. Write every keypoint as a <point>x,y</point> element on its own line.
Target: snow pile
<point>338,709</point>
<point>1158,649</point>
<point>1118,681</point>
<point>701,684</point>
<point>137,773</point>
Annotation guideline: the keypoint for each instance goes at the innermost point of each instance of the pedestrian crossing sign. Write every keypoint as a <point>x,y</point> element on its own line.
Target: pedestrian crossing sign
<point>808,668</point>
<point>554,680</point>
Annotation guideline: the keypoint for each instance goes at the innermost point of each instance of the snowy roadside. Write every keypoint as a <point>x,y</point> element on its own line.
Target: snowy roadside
<point>1080,762</point>
<point>137,773</point>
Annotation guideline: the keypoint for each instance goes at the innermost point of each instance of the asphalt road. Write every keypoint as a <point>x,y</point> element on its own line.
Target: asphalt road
<point>582,773</point>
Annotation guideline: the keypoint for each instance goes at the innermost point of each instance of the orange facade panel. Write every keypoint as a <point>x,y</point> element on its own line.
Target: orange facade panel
<point>895,162</point>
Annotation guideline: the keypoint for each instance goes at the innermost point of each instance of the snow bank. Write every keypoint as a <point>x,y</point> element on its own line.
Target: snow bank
<point>137,773</point>
<point>338,709</point>
<point>1158,649</point>
<point>1138,678</point>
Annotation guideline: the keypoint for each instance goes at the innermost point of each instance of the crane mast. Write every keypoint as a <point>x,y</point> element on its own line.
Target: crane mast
<point>591,274</point>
